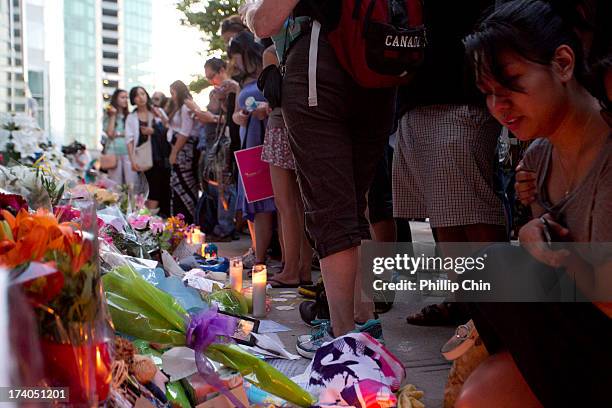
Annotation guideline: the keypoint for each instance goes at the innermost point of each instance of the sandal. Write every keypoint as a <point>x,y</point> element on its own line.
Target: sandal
<point>282,285</point>
<point>464,338</point>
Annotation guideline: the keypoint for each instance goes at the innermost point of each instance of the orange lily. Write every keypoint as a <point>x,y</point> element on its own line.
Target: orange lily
<point>28,237</point>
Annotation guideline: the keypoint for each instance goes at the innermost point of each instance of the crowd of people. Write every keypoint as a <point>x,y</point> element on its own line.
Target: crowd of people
<point>350,163</point>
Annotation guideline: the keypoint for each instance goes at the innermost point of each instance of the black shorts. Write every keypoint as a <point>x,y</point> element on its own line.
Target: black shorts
<point>337,145</point>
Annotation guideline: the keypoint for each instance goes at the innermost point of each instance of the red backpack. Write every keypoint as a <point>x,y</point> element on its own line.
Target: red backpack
<point>380,42</point>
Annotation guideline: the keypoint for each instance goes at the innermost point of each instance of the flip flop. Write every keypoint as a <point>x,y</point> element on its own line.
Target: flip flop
<point>282,285</point>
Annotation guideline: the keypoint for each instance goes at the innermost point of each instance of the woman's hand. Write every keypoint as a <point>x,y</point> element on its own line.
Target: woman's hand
<point>262,111</point>
<point>229,86</point>
<point>135,167</point>
<point>240,118</point>
<point>172,158</point>
<point>112,111</point>
<point>525,185</point>
<point>532,237</point>
<point>266,17</point>
<point>147,131</point>
<point>157,112</point>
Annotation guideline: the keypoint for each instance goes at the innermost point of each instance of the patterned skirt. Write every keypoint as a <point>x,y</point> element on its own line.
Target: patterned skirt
<point>276,149</point>
<point>184,182</point>
<point>443,166</point>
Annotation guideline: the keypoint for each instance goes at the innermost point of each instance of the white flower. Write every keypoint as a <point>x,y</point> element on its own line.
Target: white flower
<point>24,121</point>
<point>5,119</point>
<point>4,138</point>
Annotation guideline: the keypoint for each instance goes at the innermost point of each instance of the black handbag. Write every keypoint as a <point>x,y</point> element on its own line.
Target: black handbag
<point>270,83</point>
<point>160,147</point>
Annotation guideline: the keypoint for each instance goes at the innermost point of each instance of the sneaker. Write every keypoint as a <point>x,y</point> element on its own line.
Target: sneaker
<point>316,326</point>
<point>307,345</point>
<point>249,259</point>
<point>373,328</point>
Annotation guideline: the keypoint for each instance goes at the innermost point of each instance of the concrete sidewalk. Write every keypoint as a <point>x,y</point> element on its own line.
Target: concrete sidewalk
<point>417,347</point>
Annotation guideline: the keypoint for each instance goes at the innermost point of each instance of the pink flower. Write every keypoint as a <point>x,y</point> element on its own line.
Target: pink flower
<point>12,203</point>
<point>139,222</point>
<point>157,226</point>
<point>66,213</point>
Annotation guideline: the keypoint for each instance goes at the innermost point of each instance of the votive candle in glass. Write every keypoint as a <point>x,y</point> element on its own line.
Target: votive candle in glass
<point>236,273</point>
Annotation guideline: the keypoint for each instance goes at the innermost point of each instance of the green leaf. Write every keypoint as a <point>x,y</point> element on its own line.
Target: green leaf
<point>207,16</point>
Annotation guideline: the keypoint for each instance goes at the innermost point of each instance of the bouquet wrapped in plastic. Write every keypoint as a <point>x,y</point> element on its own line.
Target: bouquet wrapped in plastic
<point>143,311</point>
<point>56,265</point>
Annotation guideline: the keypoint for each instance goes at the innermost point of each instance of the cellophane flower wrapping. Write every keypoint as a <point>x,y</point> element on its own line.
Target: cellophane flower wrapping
<point>56,265</point>
<point>18,346</point>
<point>141,310</point>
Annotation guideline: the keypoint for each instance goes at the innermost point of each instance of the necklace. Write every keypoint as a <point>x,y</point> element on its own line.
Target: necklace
<point>569,183</point>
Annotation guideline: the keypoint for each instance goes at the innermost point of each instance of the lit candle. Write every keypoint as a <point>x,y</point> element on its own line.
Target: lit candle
<point>204,250</point>
<point>198,237</point>
<point>236,273</point>
<point>259,290</point>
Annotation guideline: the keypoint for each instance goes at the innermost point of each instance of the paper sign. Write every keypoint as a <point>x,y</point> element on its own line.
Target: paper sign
<point>254,173</point>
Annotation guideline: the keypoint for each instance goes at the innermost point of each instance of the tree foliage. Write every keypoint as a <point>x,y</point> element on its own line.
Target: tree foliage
<point>199,84</point>
<point>207,16</point>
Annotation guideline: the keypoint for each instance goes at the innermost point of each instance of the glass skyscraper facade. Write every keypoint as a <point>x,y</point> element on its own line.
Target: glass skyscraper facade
<point>81,71</point>
<point>12,75</point>
<point>107,46</point>
<point>137,43</point>
<point>36,63</point>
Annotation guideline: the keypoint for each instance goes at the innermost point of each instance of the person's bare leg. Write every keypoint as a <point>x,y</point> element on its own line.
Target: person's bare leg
<point>339,271</point>
<point>281,238</point>
<point>283,182</point>
<point>497,382</point>
<point>263,232</point>
<point>384,231</point>
<point>251,226</point>
<point>486,233</point>
<point>364,306</point>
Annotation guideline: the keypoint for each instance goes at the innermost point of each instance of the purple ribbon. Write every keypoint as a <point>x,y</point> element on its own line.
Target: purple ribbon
<point>204,329</point>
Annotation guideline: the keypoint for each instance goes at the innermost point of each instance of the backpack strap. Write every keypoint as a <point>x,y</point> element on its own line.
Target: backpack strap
<point>312,63</point>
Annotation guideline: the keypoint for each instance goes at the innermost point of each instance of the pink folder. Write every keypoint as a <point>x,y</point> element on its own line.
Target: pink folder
<point>255,174</point>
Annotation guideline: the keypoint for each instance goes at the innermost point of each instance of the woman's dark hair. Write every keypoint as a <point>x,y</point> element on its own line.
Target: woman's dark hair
<point>530,28</point>
<point>115,103</point>
<point>216,64</point>
<point>182,93</point>
<point>233,24</point>
<point>163,101</point>
<point>134,92</point>
<point>250,50</point>
<point>599,72</point>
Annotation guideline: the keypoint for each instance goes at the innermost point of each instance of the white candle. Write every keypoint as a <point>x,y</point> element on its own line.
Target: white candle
<point>259,290</point>
<point>236,273</point>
